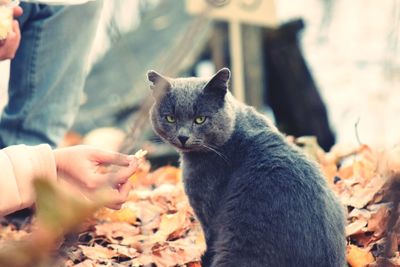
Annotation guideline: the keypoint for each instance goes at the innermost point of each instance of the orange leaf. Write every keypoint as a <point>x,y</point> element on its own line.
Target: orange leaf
<point>115,230</point>
<point>140,176</point>
<point>169,224</point>
<point>123,215</point>
<point>194,264</point>
<point>97,252</point>
<point>346,172</point>
<point>358,257</point>
<point>167,175</point>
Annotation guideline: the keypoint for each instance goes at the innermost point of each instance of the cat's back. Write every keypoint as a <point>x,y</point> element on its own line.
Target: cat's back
<point>259,142</point>
<point>264,157</point>
<point>278,200</point>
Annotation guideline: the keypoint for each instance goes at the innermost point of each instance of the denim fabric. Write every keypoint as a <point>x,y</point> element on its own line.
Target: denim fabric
<point>48,73</point>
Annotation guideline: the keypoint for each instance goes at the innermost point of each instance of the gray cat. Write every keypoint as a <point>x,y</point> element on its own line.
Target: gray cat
<point>260,201</point>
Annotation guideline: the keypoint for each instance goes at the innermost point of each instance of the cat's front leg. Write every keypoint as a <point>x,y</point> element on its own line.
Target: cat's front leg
<point>208,255</point>
<point>207,258</point>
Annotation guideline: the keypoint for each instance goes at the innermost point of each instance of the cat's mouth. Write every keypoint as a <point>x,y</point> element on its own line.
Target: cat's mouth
<point>187,147</point>
<point>184,148</point>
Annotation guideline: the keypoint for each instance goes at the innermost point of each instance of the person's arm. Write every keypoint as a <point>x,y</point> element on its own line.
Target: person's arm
<point>19,165</point>
<point>84,166</point>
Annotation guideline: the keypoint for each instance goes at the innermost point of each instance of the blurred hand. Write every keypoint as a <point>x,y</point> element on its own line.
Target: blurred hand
<point>17,11</point>
<point>9,46</point>
<point>93,169</point>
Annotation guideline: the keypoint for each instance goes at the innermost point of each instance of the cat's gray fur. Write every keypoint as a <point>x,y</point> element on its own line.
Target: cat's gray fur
<point>260,201</point>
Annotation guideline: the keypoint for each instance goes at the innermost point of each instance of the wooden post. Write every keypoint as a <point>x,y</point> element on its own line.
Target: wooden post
<point>254,65</point>
<point>217,43</point>
<point>237,13</point>
<point>236,49</point>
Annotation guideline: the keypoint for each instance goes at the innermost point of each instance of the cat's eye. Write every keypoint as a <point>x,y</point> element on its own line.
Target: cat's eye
<point>200,119</point>
<point>170,118</point>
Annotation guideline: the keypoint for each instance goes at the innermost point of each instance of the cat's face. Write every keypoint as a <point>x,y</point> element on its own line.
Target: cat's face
<point>191,113</point>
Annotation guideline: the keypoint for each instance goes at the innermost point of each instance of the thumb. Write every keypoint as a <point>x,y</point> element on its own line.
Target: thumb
<point>123,174</point>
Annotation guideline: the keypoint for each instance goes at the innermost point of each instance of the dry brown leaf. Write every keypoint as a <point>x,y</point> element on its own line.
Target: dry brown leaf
<point>188,249</point>
<point>356,227</point>
<point>125,251</point>
<point>167,175</point>
<point>123,215</point>
<point>359,214</point>
<point>139,242</point>
<point>143,260</point>
<point>396,259</point>
<point>139,178</point>
<point>358,257</point>
<point>116,231</point>
<point>363,240</point>
<point>169,224</point>
<point>146,212</point>
<point>377,222</point>
<point>345,172</point>
<point>86,263</point>
<point>362,196</point>
<point>97,252</point>
<point>166,256</point>
<point>329,169</point>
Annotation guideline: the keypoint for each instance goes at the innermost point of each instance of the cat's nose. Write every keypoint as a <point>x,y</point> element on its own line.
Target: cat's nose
<point>183,139</point>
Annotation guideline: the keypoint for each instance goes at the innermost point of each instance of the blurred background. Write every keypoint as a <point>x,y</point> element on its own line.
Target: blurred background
<point>327,68</point>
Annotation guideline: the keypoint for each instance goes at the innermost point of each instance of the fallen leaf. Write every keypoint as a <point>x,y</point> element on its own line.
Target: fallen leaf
<point>364,195</point>
<point>86,263</point>
<point>123,215</point>
<point>169,224</point>
<point>356,227</point>
<point>377,222</point>
<point>358,257</point>
<point>125,251</point>
<point>166,175</point>
<point>97,252</point>
<point>116,231</point>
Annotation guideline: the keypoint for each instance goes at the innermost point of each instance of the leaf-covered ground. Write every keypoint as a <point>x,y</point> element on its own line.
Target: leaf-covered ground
<point>157,225</point>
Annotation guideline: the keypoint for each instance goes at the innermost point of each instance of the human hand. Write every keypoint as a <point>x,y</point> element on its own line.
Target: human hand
<point>93,169</point>
<point>9,46</point>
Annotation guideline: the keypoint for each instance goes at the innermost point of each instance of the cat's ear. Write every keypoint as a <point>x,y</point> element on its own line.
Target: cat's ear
<point>159,84</point>
<point>219,82</point>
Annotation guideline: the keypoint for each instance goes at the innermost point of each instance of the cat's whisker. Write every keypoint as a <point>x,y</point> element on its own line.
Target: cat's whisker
<point>222,156</point>
<point>197,143</point>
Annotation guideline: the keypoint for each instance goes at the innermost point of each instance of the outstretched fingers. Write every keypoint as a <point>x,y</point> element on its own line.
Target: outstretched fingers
<point>110,157</point>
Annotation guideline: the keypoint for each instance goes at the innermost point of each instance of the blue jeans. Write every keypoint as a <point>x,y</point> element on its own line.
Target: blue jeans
<point>48,73</point>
